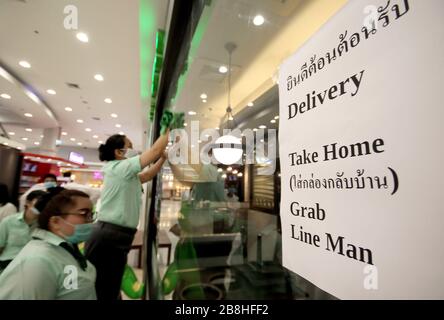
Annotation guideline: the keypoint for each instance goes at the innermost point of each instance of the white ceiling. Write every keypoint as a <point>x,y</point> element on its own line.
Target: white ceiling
<point>34,31</point>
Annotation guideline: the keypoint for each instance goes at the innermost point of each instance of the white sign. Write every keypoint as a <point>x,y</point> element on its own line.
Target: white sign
<point>361,151</point>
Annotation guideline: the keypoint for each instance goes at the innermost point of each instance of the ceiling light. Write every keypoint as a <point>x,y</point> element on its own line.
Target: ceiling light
<point>185,124</point>
<point>108,100</point>
<point>203,96</point>
<point>82,37</point>
<point>37,143</point>
<point>223,69</point>
<point>255,129</point>
<point>11,133</point>
<point>88,130</point>
<point>199,141</point>
<point>258,20</point>
<point>99,77</point>
<point>79,143</point>
<point>28,129</point>
<point>100,141</point>
<point>95,136</point>
<point>262,127</point>
<point>122,133</point>
<point>42,136</point>
<point>5,96</point>
<point>113,115</point>
<point>79,120</point>
<point>262,140</point>
<point>118,125</point>
<point>250,104</point>
<point>64,133</point>
<point>224,176</point>
<point>220,170</point>
<point>240,174</point>
<point>73,139</point>
<point>204,101</point>
<point>192,113</point>
<point>273,121</point>
<point>25,139</point>
<point>68,109</point>
<point>217,128</point>
<point>235,172</point>
<point>51,91</point>
<point>29,115</point>
<point>25,64</point>
<point>277,117</point>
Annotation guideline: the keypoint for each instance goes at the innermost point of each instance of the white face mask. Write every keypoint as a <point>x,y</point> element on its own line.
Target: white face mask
<point>131,153</point>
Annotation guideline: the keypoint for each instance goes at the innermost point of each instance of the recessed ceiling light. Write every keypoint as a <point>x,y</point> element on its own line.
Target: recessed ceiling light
<point>29,115</point>
<point>118,125</point>
<point>95,136</point>
<point>79,143</point>
<point>262,140</point>
<point>11,133</point>
<point>277,117</point>
<point>204,101</point>
<point>28,129</point>
<point>108,100</point>
<point>37,143</point>
<point>79,120</point>
<point>122,133</point>
<point>262,127</point>
<point>113,115</point>
<point>223,69</point>
<point>240,174</point>
<point>192,113</point>
<point>250,104</point>
<point>73,139</point>
<point>25,64</point>
<point>64,133</point>
<point>273,121</point>
<point>25,139</point>
<point>255,129</point>
<point>99,77</point>
<point>258,20</point>
<point>42,136</point>
<point>68,109</point>
<point>82,37</point>
<point>203,96</point>
<point>88,130</point>
<point>5,96</point>
<point>51,91</point>
<point>100,141</point>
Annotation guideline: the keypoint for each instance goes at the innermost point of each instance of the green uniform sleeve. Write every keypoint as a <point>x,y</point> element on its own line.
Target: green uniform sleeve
<point>128,168</point>
<point>3,232</point>
<point>38,280</point>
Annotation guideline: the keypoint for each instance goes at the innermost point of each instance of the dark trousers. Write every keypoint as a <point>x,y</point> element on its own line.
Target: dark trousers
<point>107,250</point>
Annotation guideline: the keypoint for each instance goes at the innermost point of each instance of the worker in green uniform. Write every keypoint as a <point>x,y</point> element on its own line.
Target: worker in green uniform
<point>15,230</point>
<point>119,212</point>
<point>51,267</point>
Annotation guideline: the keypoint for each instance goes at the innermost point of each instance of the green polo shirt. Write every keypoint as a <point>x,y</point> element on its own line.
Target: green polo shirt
<point>15,233</point>
<point>122,193</point>
<point>43,270</point>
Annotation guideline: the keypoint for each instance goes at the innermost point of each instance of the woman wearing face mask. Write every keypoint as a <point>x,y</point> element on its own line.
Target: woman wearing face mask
<point>48,181</point>
<point>118,216</point>
<point>15,230</point>
<point>51,267</point>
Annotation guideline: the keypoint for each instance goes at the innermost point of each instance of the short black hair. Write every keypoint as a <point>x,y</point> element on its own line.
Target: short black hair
<point>4,194</point>
<point>35,195</point>
<point>50,175</point>
<point>56,205</point>
<point>106,151</point>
